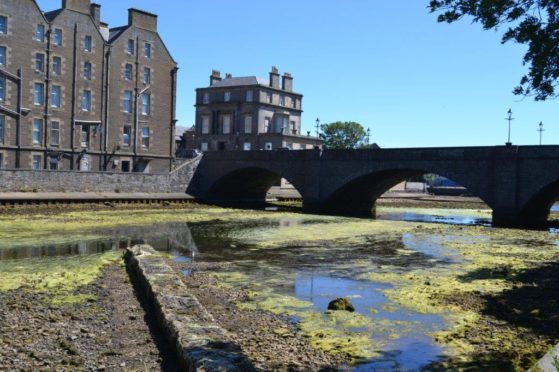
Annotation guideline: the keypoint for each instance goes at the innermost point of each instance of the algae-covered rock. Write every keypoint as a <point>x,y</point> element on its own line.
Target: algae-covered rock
<point>341,304</point>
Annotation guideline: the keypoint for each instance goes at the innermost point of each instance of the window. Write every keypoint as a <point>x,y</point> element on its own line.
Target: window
<point>40,62</point>
<point>249,96</point>
<point>2,88</point>
<point>86,100</point>
<point>2,127</point>
<point>248,124</point>
<point>130,48</point>
<point>57,36</point>
<point>206,98</point>
<point>40,33</point>
<point>204,146</point>
<point>55,96</point>
<point>281,124</point>
<point>127,106</point>
<point>37,162</point>
<point>147,75</point>
<point>54,133</point>
<point>145,137</point>
<point>126,135</point>
<point>205,124</point>
<point>85,136</point>
<point>227,96</point>
<point>268,98</point>
<point>3,52</point>
<point>266,125</point>
<point>3,25</point>
<point>57,65</point>
<point>128,72</point>
<point>247,146</point>
<point>147,50</point>
<point>125,166</point>
<point>295,103</point>
<point>87,71</point>
<point>226,124</point>
<point>146,104</point>
<point>293,127</point>
<point>53,163</point>
<point>37,131</point>
<point>282,101</point>
<point>1,160</point>
<point>87,43</point>
<point>39,98</point>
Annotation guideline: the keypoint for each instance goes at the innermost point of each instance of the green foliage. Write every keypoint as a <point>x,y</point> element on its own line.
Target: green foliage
<point>343,135</point>
<point>531,22</point>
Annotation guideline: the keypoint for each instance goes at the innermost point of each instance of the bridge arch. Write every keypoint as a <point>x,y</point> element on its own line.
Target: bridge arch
<point>356,194</point>
<point>535,211</point>
<point>246,184</point>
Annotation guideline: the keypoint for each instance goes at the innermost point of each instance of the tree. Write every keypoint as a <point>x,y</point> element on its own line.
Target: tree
<point>531,22</point>
<point>342,135</point>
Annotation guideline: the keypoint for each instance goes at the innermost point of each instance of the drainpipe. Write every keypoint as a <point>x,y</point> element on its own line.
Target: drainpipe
<point>47,99</point>
<point>107,60</point>
<point>18,119</point>
<point>173,116</point>
<point>73,115</point>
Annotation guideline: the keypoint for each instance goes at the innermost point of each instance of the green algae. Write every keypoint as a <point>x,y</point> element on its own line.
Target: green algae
<point>58,277</point>
<point>474,213</point>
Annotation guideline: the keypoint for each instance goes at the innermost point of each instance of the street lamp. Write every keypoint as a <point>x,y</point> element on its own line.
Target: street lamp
<point>368,135</point>
<point>541,130</point>
<point>509,118</point>
<point>317,126</point>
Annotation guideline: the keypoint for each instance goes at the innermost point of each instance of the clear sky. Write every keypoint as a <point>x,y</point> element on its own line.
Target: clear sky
<point>385,64</point>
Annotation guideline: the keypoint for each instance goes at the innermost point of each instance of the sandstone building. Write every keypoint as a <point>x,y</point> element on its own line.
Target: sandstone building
<point>249,113</point>
<point>76,95</point>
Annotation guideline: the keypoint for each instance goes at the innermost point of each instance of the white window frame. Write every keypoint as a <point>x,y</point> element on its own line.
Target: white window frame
<point>87,43</point>
<point>38,99</point>
<point>3,55</point>
<point>127,101</point>
<point>56,92</point>
<point>40,62</point>
<point>55,133</point>
<point>37,131</point>
<point>146,104</point>
<point>131,47</point>
<point>145,137</point>
<point>128,71</point>
<point>248,124</point>
<point>205,124</point>
<point>147,75</point>
<point>57,70</point>
<point>40,33</point>
<point>57,38</point>
<point>37,162</point>
<point>127,137</point>
<point>147,50</point>
<point>3,24</point>
<point>87,70</point>
<point>86,100</point>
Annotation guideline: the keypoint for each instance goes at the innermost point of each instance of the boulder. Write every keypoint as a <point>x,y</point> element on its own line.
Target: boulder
<point>341,304</point>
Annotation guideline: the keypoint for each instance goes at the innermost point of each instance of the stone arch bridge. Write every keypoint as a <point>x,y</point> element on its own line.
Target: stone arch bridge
<point>519,183</point>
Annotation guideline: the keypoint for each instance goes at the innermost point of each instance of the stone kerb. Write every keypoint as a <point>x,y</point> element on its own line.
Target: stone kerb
<point>199,343</point>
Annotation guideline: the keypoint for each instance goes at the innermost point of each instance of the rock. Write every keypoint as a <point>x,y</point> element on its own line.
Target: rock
<point>341,304</point>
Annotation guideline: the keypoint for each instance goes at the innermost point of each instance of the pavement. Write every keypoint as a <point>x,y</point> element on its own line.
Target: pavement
<point>89,196</point>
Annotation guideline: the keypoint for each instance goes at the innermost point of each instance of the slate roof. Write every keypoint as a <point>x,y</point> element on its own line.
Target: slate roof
<point>50,16</point>
<point>240,81</point>
<point>116,32</point>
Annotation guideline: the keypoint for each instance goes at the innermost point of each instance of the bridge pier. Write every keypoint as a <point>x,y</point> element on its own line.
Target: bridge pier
<point>510,217</point>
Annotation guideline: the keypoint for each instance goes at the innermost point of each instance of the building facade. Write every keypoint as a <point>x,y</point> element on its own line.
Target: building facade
<point>76,95</point>
<point>249,113</point>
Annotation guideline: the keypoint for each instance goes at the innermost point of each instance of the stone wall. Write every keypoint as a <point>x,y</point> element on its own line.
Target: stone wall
<point>75,181</point>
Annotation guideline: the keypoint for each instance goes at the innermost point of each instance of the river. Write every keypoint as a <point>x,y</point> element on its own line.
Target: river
<point>419,279</point>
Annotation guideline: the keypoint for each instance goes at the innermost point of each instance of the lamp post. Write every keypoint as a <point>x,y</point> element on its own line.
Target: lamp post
<point>540,129</point>
<point>368,136</point>
<point>317,126</point>
<point>509,118</point>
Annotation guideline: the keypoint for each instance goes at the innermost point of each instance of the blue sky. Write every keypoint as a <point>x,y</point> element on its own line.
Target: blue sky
<point>385,64</point>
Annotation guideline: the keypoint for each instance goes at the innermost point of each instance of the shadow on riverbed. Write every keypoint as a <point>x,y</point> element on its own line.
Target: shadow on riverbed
<point>532,305</point>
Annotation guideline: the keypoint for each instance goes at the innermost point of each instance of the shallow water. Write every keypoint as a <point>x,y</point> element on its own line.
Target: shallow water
<point>296,264</point>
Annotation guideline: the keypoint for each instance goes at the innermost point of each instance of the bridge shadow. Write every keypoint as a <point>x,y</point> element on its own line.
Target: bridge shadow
<point>532,304</point>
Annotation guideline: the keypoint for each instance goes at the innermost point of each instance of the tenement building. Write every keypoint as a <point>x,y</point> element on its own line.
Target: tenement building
<point>76,95</point>
<point>250,113</point>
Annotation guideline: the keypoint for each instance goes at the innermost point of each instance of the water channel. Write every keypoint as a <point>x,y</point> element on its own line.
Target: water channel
<point>394,270</point>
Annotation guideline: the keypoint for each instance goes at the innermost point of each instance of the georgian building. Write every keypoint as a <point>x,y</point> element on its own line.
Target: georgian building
<point>250,113</point>
<point>76,95</point>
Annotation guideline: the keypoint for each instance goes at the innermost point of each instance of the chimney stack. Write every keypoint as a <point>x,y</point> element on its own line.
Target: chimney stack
<point>215,77</point>
<point>142,19</point>
<point>287,82</point>
<point>81,6</point>
<point>275,78</point>
<point>228,76</point>
<point>95,11</point>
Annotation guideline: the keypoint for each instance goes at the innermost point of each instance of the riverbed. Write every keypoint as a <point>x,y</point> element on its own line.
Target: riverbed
<point>432,288</point>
